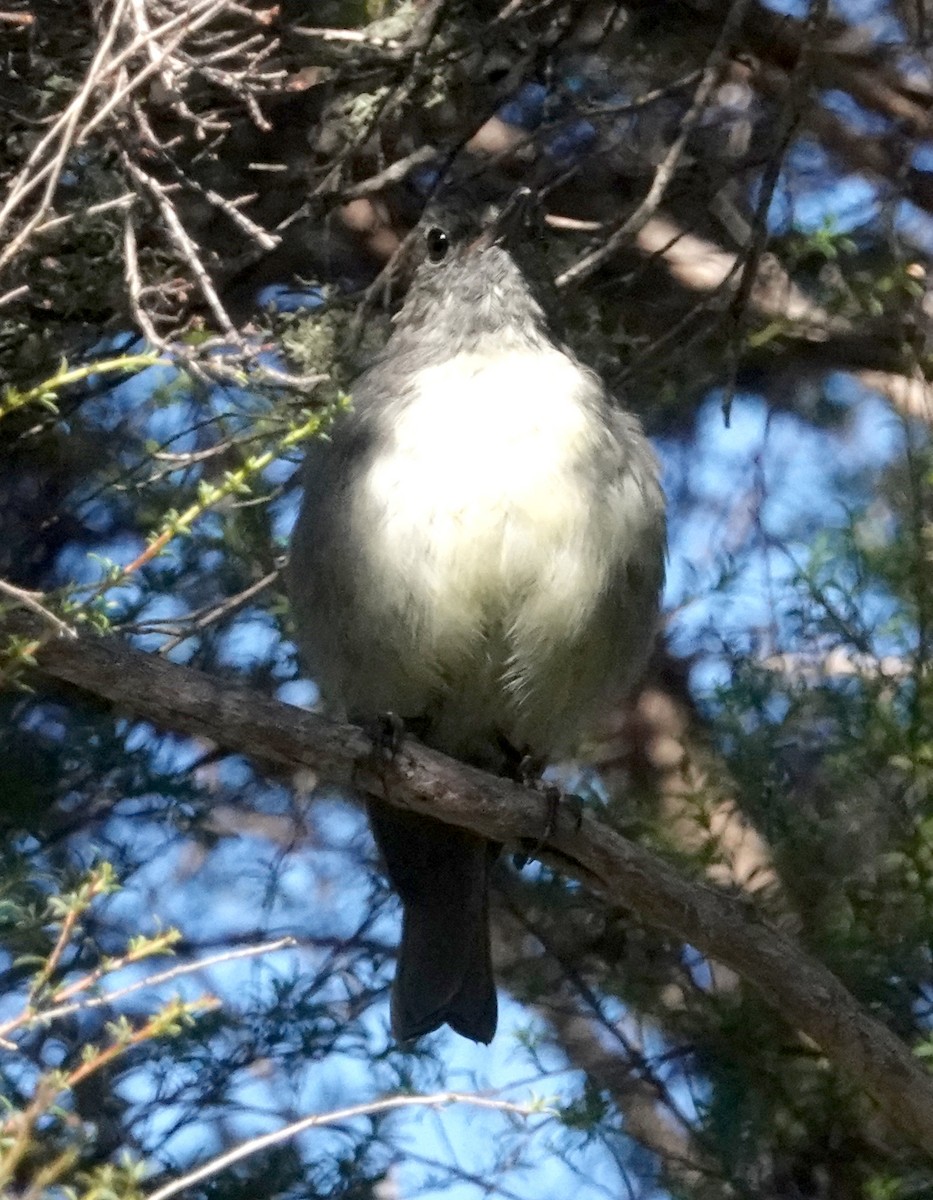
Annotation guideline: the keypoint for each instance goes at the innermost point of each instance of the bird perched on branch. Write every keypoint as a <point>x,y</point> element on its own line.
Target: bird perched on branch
<point>480,551</point>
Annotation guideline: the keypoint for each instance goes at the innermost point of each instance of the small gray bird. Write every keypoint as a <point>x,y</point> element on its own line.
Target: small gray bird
<point>480,551</point>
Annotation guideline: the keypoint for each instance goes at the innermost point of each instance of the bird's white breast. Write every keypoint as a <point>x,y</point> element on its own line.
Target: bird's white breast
<point>481,512</point>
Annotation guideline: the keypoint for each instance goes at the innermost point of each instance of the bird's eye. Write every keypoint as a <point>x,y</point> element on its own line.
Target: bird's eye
<point>438,244</point>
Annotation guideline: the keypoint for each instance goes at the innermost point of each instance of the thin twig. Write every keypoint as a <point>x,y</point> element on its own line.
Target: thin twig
<point>151,981</point>
<point>797,93</point>
<point>16,293</point>
<point>184,243</point>
<point>67,132</point>
<point>665,172</point>
<point>394,173</point>
<point>33,602</point>
<point>354,37</point>
<point>127,200</point>
<point>134,285</point>
<point>68,124</point>
<point>218,611</point>
<point>440,1100</point>
<point>231,208</point>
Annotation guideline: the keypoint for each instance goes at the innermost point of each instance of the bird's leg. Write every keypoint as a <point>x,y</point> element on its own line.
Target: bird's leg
<point>388,730</point>
<point>528,774</point>
<point>530,777</point>
<point>389,735</point>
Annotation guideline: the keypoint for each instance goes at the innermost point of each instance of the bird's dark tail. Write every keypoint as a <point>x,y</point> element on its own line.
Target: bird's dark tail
<point>444,972</point>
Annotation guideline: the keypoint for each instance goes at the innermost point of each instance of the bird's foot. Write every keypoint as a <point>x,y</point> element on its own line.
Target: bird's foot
<point>529,777</point>
<point>388,735</point>
<point>388,731</point>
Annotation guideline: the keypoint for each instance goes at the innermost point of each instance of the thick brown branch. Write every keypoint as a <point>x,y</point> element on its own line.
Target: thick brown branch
<point>809,996</point>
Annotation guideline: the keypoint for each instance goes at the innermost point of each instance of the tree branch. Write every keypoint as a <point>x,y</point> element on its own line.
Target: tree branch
<point>809,996</point>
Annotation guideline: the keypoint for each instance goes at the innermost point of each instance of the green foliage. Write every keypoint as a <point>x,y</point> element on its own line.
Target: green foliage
<point>40,1140</point>
<point>47,392</point>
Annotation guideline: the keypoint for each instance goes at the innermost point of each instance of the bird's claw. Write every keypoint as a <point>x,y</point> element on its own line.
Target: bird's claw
<point>554,798</point>
<point>387,732</point>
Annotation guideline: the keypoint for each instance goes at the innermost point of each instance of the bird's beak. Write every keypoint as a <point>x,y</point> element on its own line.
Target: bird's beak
<point>507,221</point>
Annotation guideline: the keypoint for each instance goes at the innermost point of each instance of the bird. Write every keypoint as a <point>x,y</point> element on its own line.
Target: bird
<point>480,551</point>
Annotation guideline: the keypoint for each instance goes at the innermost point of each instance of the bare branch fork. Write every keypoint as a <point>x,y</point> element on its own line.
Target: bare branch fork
<point>623,874</point>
